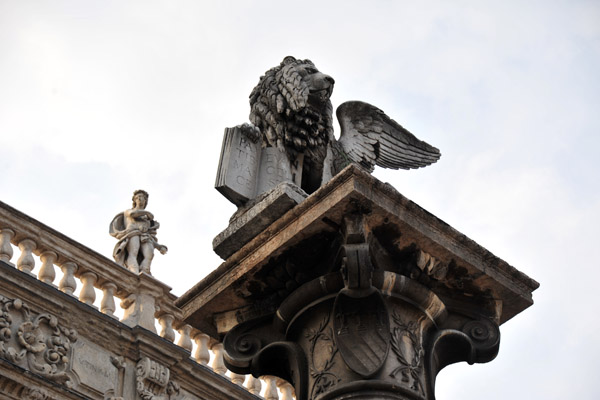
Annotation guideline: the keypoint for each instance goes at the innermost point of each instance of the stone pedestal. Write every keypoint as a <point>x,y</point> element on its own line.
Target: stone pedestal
<point>358,293</point>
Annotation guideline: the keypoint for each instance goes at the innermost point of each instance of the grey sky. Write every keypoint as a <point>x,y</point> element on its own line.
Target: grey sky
<point>98,99</point>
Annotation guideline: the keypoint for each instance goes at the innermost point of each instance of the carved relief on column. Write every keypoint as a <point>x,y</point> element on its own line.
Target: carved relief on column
<point>407,347</point>
<point>380,323</point>
<point>322,351</point>
<point>422,339</point>
<point>37,343</point>
<point>153,381</point>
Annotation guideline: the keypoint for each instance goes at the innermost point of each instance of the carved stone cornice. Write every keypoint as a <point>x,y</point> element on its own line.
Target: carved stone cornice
<point>401,229</point>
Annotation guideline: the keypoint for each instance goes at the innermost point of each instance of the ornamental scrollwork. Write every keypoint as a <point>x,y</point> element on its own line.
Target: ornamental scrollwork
<point>35,342</point>
<point>153,381</point>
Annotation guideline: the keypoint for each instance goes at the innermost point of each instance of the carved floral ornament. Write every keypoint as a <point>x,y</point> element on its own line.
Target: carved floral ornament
<point>37,343</point>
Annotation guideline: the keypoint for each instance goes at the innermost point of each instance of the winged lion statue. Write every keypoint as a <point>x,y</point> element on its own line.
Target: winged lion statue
<point>291,111</point>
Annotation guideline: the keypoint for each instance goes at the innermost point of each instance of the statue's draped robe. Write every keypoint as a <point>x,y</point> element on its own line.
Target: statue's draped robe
<point>119,231</point>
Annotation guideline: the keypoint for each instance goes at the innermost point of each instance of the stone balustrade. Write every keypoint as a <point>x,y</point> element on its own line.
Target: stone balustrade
<point>92,279</point>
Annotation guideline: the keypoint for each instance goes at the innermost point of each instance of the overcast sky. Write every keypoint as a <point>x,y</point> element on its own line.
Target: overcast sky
<point>100,98</point>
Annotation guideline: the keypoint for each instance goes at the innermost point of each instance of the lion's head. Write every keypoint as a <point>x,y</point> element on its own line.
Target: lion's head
<point>291,106</point>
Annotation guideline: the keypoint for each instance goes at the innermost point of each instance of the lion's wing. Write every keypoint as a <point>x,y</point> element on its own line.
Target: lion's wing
<point>369,137</point>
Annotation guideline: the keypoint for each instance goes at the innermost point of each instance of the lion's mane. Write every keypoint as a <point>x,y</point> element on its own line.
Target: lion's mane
<point>280,108</point>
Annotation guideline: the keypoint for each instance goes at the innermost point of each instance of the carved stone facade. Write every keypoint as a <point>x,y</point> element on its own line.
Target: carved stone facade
<point>355,293</point>
<point>38,343</point>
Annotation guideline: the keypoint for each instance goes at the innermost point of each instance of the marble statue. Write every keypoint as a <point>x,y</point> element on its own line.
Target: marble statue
<point>292,129</point>
<point>135,229</point>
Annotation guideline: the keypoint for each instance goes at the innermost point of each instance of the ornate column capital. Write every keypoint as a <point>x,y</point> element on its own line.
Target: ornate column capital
<point>358,293</point>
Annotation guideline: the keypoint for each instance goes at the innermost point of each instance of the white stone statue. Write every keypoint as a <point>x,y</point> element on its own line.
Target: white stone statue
<point>136,231</point>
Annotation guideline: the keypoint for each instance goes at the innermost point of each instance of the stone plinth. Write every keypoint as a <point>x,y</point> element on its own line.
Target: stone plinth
<point>358,293</point>
<point>249,221</point>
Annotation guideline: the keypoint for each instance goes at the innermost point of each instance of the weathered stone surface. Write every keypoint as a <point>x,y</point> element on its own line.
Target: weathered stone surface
<point>246,226</point>
<point>358,293</point>
<point>237,175</point>
<point>94,367</point>
<point>246,170</point>
<point>83,368</point>
<point>455,260</point>
<point>274,169</point>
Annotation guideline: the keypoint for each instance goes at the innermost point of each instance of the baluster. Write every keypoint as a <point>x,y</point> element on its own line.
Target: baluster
<point>6,250</point>
<point>253,385</point>
<point>166,323</point>
<point>238,379</point>
<point>107,305</point>
<point>68,284</point>
<point>47,273</point>
<point>26,262</point>
<point>287,391</point>
<point>88,294</point>
<point>201,354</point>
<point>218,365</point>
<point>184,339</point>
<point>271,389</point>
